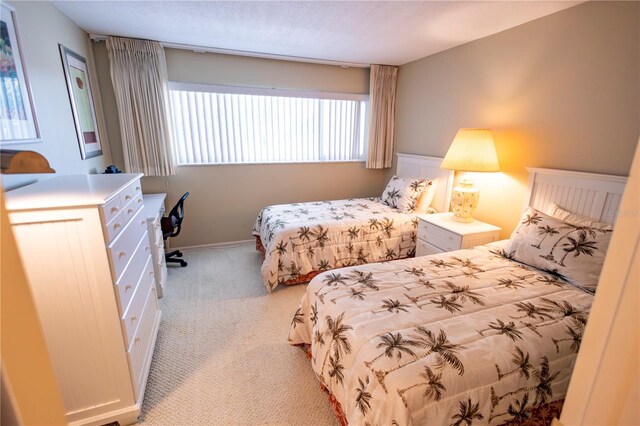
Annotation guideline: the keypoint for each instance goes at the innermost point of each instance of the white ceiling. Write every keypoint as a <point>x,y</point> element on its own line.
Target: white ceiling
<point>389,32</point>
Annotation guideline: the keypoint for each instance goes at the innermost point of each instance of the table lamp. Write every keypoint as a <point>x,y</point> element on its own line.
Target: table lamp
<point>472,150</point>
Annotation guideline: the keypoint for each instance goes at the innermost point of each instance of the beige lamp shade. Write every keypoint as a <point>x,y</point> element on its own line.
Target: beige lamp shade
<point>472,150</point>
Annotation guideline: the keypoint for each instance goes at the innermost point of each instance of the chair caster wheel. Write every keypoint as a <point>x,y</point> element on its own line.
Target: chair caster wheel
<point>183,263</point>
<point>179,254</point>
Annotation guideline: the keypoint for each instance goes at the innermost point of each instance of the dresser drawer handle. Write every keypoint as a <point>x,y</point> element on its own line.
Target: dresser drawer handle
<point>137,188</point>
<point>122,254</point>
<point>116,225</point>
<point>147,248</point>
<point>129,211</point>
<point>134,319</point>
<point>114,209</point>
<point>127,197</point>
<point>139,200</point>
<point>136,340</point>
<point>127,287</point>
<point>151,274</point>
<point>143,222</point>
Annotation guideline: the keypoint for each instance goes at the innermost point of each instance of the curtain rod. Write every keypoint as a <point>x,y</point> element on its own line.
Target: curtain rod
<point>203,49</point>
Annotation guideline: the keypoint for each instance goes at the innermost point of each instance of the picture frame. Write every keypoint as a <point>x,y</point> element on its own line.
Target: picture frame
<point>18,122</point>
<point>78,82</point>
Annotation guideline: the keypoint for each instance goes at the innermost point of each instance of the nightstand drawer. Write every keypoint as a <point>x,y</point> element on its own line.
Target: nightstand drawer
<point>425,249</point>
<point>439,236</point>
<point>452,242</point>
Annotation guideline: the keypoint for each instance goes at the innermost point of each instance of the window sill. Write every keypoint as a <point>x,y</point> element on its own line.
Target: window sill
<point>271,163</point>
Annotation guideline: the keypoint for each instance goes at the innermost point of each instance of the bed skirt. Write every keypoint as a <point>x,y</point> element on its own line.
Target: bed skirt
<point>542,415</point>
<point>299,279</point>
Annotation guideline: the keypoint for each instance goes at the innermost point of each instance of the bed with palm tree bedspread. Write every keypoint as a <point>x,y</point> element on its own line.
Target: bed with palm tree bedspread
<point>463,337</point>
<point>481,336</point>
<point>301,240</point>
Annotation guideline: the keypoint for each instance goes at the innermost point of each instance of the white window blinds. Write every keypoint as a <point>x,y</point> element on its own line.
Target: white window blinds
<point>213,126</point>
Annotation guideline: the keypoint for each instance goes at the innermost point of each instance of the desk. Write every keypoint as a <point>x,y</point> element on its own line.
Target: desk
<point>153,211</point>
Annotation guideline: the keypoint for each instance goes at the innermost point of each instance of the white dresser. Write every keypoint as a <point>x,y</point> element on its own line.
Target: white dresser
<point>153,211</point>
<point>84,244</point>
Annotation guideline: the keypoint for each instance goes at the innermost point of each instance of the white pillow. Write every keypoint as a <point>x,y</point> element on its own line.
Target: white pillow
<point>574,251</point>
<point>403,193</point>
<point>575,219</point>
<point>426,197</point>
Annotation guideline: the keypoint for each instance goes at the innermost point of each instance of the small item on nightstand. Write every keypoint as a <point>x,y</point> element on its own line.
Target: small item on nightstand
<point>111,169</point>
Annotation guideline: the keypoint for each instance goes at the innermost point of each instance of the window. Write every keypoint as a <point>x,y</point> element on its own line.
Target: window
<point>227,125</point>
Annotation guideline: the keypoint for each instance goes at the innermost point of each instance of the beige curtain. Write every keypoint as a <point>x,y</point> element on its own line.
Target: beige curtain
<point>382,98</point>
<point>139,76</point>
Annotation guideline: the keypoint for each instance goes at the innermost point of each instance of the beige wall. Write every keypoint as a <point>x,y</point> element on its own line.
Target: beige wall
<point>561,92</point>
<point>225,200</point>
<point>42,27</point>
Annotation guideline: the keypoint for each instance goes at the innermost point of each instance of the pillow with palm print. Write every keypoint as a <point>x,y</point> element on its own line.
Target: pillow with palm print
<point>575,251</point>
<point>560,213</point>
<point>403,193</point>
<point>426,197</point>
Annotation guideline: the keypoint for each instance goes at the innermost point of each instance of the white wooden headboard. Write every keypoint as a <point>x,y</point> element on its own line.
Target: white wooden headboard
<point>421,166</point>
<point>588,194</point>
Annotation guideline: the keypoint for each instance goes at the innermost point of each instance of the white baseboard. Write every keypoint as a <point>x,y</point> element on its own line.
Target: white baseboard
<point>214,245</point>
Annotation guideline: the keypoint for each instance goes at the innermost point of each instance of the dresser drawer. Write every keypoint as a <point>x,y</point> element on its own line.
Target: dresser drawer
<point>110,209</point>
<point>121,250</point>
<point>126,285</point>
<point>425,249</point>
<point>134,205</point>
<point>133,315</point>
<point>113,228</point>
<point>130,192</point>
<point>129,210</point>
<point>141,346</point>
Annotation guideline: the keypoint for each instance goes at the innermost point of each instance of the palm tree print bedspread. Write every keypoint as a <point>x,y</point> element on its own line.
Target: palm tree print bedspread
<point>460,338</point>
<point>307,237</point>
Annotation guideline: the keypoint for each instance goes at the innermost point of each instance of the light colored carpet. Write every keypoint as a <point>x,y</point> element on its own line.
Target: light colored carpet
<point>222,356</point>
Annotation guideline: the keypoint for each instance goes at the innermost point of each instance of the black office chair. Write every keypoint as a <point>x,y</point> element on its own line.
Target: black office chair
<point>171,227</point>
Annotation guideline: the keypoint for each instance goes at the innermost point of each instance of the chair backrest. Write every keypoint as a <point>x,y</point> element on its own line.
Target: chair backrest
<point>173,222</point>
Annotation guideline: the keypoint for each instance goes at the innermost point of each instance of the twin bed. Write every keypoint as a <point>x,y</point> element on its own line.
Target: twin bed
<point>471,336</point>
<point>300,240</point>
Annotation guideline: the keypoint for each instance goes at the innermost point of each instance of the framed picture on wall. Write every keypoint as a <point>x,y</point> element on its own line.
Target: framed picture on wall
<point>82,106</point>
<point>18,122</point>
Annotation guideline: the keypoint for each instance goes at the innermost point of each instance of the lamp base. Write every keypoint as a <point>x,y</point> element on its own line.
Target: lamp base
<point>462,219</point>
<point>464,201</point>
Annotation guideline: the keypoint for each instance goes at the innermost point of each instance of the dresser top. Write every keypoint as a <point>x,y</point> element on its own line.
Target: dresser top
<point>69,191</point>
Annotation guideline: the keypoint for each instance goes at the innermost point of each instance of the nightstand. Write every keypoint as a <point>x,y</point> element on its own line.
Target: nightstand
<point>438,233</point>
